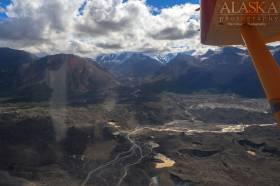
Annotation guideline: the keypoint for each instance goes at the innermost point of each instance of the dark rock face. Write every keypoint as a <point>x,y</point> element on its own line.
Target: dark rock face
<point>265,148</point>
<point>249,143</point>
<point>76,141</point>
<point>7,180</point>
<point>11,58</point>
<point>23,156</point>
<point>107,134</point>
<point>272,150</point>
<point>199,153</point>
<point>27,143</point>
<point>178,181</point>
<point>11,62</point>
<point>28,131</point>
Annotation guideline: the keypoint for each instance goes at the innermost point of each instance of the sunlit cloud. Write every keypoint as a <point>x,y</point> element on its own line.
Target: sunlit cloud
<point>88,28</point>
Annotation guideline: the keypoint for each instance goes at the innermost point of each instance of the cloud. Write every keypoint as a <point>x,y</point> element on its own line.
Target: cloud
<point>2,10</point>
<point>174,34</point>
<point>90,27</point>
<point>18,29</point>
<point>109,46</point>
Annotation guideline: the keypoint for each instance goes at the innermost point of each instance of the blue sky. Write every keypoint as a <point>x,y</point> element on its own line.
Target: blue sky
<point>3,4</point>
<point>168,3</point>
<point>155,3</point>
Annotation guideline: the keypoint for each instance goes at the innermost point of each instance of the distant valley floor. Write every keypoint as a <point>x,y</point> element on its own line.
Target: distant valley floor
<point>171,139</point>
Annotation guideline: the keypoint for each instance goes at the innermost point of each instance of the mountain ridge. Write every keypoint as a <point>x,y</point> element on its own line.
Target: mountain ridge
<point>227,70</point>
<point>64,76</point>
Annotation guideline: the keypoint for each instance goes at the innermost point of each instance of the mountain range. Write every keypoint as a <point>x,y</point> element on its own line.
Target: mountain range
<point>227,70</point>
<point>62,76</point>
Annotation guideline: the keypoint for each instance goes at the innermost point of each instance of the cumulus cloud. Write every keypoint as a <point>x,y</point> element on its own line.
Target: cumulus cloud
<point>174,34</point>
<point>17,29</point>
<point>2,10</point>
<point>109,45</point>
<point>90,27</point>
